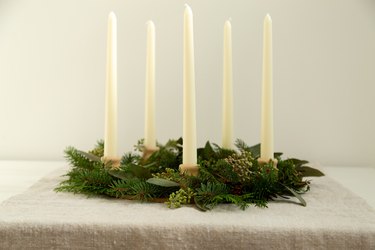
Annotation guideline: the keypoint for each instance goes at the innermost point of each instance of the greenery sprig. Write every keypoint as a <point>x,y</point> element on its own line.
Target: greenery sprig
<point>225,176</point>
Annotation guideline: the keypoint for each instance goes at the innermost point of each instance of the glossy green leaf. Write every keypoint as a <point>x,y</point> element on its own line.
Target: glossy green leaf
<point>207,152</point>
<point>309,171</point>
<point>255,150</point>
<point>277,155</point>
<point>298,163</point>
<point>119,174</point>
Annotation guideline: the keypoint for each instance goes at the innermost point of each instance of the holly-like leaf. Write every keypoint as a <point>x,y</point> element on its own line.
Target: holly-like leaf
<point>298,163</point>
<point>309,171</point>
<point>277,155</point>
<point>255,150</point>
<point>207,152</point>
<point>89,156</point>
<point>163,182</point>
<point>179,144</point>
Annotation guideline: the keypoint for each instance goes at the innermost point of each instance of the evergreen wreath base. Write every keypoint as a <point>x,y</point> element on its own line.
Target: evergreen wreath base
<point>225,176</point>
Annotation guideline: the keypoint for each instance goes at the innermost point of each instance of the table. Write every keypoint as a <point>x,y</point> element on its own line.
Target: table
<point>39,218</point>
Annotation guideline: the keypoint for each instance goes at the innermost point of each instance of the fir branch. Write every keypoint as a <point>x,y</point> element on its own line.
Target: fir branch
<point>130,158</point>
<point>205,195</point>
<point>91,182</point>
<point>118,189</point>
<point>205,175</point>
<point>98,149</point>
<point>230,198</point>
<point>143,191</point>
<point>250,198</point>
<point>265,181</point>
<point>76,159</point>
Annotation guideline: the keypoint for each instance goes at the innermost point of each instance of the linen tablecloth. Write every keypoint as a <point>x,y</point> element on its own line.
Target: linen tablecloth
<point>40,218</point>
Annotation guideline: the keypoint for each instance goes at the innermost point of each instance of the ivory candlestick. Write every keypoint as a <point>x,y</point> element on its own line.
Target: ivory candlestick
<point>150,139</point>
<point>227,108</point>
<point>189,158</point>
<point>110,136</point>
<point>267,151</point>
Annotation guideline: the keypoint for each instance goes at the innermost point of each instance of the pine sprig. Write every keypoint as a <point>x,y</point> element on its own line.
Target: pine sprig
<point>207,195</point>
<point>98,149</point>
<point>92,182</point>
<point>76,159</point>
<point>143,191</point>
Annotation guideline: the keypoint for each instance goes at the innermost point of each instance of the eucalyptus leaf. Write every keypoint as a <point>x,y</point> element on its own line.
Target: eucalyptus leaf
<point>89,156</point>
<point>309,171</point>
<point>149,165</point>
<point>163,182</point>
<point>139,171</point>
<point>297,195</point>
<point>119,174</point>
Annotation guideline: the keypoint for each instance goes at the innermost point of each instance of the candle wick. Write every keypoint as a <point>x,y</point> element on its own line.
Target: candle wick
<point>230,19</point>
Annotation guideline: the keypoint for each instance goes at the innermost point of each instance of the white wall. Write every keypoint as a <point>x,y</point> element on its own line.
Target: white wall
<point>52,71</point>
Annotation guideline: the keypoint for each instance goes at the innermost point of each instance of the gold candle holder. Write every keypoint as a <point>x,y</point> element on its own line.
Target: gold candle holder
<point>189,169</point>
<point>113,162</point>
<point>263,162</point>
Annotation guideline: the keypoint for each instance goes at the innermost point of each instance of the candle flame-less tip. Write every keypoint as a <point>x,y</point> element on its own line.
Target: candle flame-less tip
<point>227,24</point>
<point>112,18</point>
<point>112,14</point>
<point>149,23</point>
<point>187,7</point>
<point>268,17</point>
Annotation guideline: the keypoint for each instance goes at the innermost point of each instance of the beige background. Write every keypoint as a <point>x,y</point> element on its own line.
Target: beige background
<point>52,71</point>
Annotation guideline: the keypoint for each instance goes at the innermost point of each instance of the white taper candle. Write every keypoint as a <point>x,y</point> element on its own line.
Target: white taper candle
<point>189,119</point>
<point>267,151</point>
<point>150,139</point>
<point>227,108</point>
<point>110,137</point>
